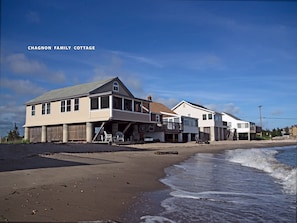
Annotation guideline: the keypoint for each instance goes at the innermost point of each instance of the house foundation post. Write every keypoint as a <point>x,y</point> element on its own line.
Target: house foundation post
<point>89,132</point>
<point>189,137</point>
<point>26,133</point>
<point>65,133</point>
<point>212,134</point>
<point>43,133</point>
<point>180,137</point>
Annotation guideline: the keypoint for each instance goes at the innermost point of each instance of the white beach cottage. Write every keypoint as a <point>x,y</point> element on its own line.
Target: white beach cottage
<point>210,122</point>
<point>239,129</point>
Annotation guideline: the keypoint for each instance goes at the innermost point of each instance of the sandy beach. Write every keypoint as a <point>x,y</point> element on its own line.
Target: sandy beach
<point>89,182</point>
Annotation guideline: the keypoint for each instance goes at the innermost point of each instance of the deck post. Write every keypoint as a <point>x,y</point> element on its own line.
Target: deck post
<point>65,133</point>
<point>43,133</point>
<point>89,132</point>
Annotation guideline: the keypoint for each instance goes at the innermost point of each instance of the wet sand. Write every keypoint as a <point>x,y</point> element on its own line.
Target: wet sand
<point>89,182</point>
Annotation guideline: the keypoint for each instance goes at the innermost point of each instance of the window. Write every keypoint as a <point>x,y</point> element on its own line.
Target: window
<point>209,116</point>
<point>115,86</point>
<point>238,125</point>
<point>43,109</point>
<point>104,102</point>
<point>33,110</point>
<point>145,107</point>
<point>48,108</point>
<point>68,105</point>
<point>117,103</point>
<point>62,106</point>
<point>204,117</point>
<point>76,104</point>
<point>137,106</point>
<point>127,105</point>
<point>158,118</point>
<point>246,125</point>
<point>94,103</point>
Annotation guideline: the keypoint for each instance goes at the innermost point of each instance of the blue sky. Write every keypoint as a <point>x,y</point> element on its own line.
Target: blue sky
<point>228,56</point>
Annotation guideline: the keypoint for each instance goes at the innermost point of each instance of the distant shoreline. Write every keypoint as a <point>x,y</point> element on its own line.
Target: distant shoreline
<point>88,182</point>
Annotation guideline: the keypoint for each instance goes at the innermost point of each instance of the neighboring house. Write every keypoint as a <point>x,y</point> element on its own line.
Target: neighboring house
<point>210,122</point>
<point>239,129</point>
<point>80,112</point>
<point>293,131</point>
<point>173,127</point>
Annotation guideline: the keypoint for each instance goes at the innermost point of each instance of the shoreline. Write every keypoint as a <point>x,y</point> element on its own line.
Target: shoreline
<point>83,182</point>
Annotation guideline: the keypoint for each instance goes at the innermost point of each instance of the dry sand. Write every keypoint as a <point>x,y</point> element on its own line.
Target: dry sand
<point>87,182</point>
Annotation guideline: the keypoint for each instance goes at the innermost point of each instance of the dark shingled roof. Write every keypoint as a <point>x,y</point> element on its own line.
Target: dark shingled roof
<point>197,105</point>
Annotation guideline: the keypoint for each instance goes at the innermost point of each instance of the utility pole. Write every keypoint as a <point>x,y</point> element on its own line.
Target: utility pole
<point>260,110</point>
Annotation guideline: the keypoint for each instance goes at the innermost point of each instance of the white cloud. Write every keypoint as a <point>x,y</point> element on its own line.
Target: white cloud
<point>21,87</point>
<point>231,108</point>
<point>137,58</point>
<point>19,64</point>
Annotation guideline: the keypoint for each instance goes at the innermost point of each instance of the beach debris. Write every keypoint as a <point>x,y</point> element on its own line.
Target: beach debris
<point>34,212</point>
<point>166,152</point>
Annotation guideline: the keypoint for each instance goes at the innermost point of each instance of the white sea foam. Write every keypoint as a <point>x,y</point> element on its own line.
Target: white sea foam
<point>264,159</point>
<point>155,219</point>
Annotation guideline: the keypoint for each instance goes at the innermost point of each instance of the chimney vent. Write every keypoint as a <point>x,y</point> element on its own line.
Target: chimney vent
<point>149,98</point>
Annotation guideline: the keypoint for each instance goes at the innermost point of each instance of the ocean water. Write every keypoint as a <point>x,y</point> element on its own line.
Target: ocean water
<point>243,185</point>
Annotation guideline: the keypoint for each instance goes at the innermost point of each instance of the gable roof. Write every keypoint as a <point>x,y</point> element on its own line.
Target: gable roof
<point>157,107</point>
<point>194,105</point>
<point>232,116</point>
<point>68,92</point>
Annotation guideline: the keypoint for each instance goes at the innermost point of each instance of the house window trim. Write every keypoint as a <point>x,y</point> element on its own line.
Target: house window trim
<point>103,100</point>
<point>76,104</point>
<point>68,105</point>
<point>92,107</point>
<point>115,86</point>
<point>63,106</point>
<point>43,108</point>
<point>33,110</point>
<point>48,108</point>
<point>209,117</point>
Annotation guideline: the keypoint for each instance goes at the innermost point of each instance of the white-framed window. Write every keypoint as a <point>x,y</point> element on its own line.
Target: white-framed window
<point>116,86</point>
<point>68,108</point>
<point>33,110</point>
<point>63,106</point>
<point>127,104</point>
<point>48,108</point>
<point>117,103</point>
<point>209,116</point>
<point>94,103</point>
<point>204,117</point>
<point>104,102</point>
<point>43,109</point>
<point>76,104</point>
